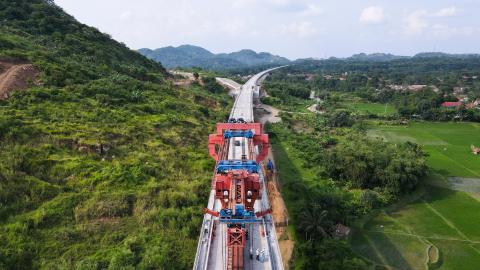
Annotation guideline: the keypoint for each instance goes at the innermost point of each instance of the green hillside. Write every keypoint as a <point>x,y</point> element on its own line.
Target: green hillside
<point>104,162</point>
<point>194,56</point>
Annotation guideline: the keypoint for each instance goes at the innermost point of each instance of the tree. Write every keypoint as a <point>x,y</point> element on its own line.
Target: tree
<point>340,119</point>
<point>212,85</point>
<point>312,222</point>
<point>365,163</point>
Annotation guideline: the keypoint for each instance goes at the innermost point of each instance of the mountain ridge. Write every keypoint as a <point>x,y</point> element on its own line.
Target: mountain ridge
<point>385,57</point>
<point>195,56</point>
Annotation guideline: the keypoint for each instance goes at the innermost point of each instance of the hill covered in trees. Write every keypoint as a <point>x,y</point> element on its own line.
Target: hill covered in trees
<point>194,56</point>
<point>103,161</point>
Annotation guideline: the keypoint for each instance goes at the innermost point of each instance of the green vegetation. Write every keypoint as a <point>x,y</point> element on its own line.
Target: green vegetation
<point>287,92</point>
<point>448,144</point>
<point>369,164</point>
<point>211,85</point>
<point>104,163</point>
<point>352,164</point>
<point>187,56</point>
<point>314,205</point>
<point>444,71</point>
<point>373,108</point>
<point>416,87</point>
<point>329,176</point>
<point>361,106</point>
<point>440,218</point>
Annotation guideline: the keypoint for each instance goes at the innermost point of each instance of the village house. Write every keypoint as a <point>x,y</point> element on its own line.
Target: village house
<point>450,104</point>
<point>458,90</point>
<point>416,87</point>
<point>413,87</point>
<point>396,87</point>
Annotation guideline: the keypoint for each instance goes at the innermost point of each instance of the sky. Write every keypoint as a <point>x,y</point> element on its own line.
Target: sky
<point>290,28</point>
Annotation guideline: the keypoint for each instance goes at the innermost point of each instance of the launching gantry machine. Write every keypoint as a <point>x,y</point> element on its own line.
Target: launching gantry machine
<point>237,182</point>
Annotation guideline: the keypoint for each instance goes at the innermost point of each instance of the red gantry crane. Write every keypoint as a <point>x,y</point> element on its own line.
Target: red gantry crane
<point>236,183</point>
<point>238,231</point>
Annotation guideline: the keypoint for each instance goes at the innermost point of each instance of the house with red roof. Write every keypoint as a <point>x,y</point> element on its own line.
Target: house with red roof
<point>451,104</point>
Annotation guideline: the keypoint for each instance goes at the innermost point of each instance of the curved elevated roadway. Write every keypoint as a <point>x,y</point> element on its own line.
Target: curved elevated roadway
<point>211,249</point>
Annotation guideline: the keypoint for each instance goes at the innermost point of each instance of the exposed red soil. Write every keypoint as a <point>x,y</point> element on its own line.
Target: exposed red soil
<point>15,75</point>
<point>280,216</point>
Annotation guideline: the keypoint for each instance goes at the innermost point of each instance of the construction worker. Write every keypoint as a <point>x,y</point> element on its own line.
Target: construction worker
<point>270,166</point>
<point>258,254</point>
<point>251,253</point>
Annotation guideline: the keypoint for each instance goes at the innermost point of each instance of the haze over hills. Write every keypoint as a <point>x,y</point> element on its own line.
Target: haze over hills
<point>375,57</point>
<point>194,56</point>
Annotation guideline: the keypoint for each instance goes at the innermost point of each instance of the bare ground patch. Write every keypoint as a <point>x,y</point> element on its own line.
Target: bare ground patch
<point>280,217</point>
<point>265,113</point>
<point>15,75</point>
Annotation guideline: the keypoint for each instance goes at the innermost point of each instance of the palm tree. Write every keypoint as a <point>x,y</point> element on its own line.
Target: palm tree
<point>312,222</point>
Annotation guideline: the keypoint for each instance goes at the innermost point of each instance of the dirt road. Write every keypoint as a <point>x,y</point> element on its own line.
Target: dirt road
<point>265,113</point>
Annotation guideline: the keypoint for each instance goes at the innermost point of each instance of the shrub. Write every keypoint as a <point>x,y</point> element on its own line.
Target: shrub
<point>105,206</point>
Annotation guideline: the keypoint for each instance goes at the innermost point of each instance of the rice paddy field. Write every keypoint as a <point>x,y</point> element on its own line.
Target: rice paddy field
<point>440,228</point>
<point>448,144</point>
<point>362,106</point>
<point>373,108</point>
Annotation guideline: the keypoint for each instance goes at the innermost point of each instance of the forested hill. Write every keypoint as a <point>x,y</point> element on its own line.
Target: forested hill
<point>194,56</point>
<point>103,161</point>
<point>65,49</point>
<point>423,68</point>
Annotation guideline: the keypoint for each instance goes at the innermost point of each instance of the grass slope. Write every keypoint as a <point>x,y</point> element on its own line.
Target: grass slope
<point>104,164</point>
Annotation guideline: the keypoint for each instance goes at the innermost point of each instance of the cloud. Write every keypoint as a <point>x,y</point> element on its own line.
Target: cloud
<point>442,30</point>
<point>446,12</point>
<point>302,29</point>
<point>311,10</point>
<point>242,3</point>
<point>126,15</point>
<point>279,2</point>
<point>416,22</point>
<point>372,15</point>
<point>419,21</point>
<point>445,31</point>
<point>235,27</point>
<point>295,28</point>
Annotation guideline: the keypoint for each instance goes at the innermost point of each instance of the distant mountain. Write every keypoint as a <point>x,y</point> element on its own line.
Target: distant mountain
<point>384,57</point>
<point>376,57</point>
<point>194,56</point>
<point>444,55</point>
